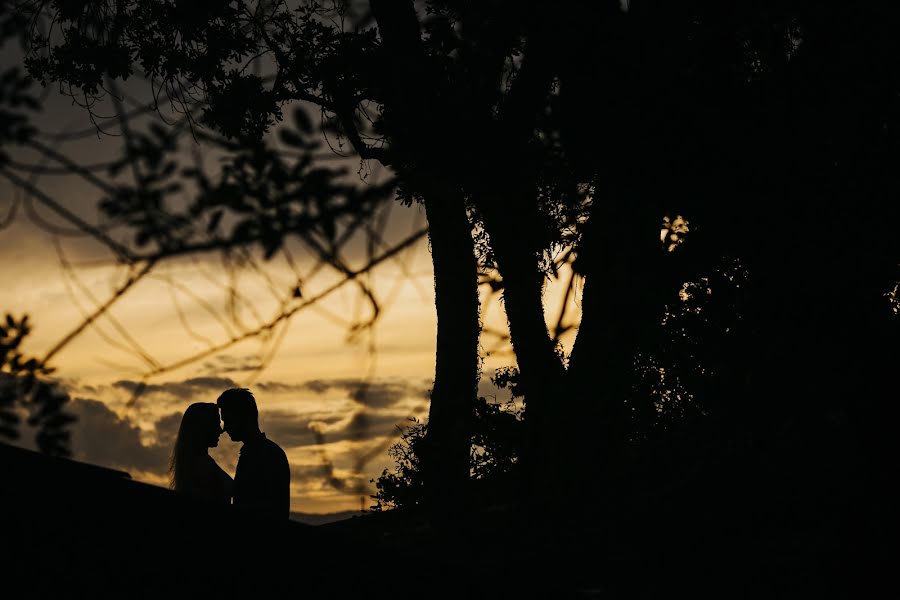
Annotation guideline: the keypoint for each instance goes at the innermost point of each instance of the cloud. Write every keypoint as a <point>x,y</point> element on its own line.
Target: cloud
<point>179,390</point>
<point>374,411</point>
<point>277,387</point>
<point>291,430</point>
<point>380,394</point>
<point>371,394</point>
<point>319,476</point>
<point>167,430</point>
<point>305,472</point>
<point>324,476</point>
<point>227,363</point>
<point>487,389</point>
<point>365,425</point>
<point>102,437</point>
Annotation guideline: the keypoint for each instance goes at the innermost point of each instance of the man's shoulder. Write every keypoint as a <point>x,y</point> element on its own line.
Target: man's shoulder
<point>274,449</point>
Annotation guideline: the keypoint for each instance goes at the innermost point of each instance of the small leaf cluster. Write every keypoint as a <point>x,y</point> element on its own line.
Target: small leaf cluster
<point>26,389</point>
<point>261,194</point>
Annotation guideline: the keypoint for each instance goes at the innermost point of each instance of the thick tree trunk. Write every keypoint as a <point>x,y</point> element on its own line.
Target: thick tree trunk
<point>542,372</point>
<point>624,296</point>
<point>413,143</point>
<point>456,361</point>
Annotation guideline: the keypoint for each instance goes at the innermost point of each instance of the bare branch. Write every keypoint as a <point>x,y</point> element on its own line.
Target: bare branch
<point>135,346</point>
<point>121,251</point>
<point>287,314</point>
<point>136,275</point>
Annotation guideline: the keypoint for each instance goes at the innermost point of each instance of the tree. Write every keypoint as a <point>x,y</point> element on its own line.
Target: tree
<point>708,114</point>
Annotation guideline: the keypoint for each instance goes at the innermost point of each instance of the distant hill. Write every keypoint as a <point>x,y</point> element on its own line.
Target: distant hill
<point>322,519</point>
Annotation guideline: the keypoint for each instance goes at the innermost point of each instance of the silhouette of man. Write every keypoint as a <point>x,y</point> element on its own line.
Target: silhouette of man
<point>262,479</point>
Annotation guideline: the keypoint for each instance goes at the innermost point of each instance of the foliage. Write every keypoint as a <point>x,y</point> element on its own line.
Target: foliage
<point>771,126</point>
<point>15,96</point>
<point>495,447</point>
<point>261,195</point>
<point>403,488</point>
<point>497,439</point>
<point>24,388</point>
<point>681,372</point>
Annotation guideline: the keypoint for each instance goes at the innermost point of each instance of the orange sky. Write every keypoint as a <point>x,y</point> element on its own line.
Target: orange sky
<point>316,378</point>
<point>399,362</point>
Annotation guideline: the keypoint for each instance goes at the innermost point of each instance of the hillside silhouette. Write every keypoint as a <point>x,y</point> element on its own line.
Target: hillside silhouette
<point>72,529</point>
<point>726,530</point>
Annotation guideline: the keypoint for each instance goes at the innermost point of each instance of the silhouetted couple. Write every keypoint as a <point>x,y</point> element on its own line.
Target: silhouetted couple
<point>262,478</point>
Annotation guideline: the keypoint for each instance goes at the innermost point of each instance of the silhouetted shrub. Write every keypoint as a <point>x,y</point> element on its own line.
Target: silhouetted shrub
<point>24,390</point>
<point>495,448</point>
<point>404,486</point>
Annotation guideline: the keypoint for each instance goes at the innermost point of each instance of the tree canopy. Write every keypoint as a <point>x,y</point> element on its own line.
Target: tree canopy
<point>721,175</point>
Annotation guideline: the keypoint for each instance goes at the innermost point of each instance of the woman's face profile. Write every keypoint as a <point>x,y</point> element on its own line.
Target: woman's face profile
<point>214,430</point>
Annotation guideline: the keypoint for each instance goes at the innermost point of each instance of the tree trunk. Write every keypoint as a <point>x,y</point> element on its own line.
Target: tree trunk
<point>456,361</point>
<point>446,460</point>
<point>625,292</point>
<point>542,372</point>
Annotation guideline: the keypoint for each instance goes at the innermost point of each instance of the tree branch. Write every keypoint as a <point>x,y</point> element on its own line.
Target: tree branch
<point>129,283</point>
<point>351,275</point>
<point>121,251</point>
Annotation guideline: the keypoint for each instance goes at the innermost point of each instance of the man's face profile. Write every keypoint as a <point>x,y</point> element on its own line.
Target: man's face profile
<point>231,424</point>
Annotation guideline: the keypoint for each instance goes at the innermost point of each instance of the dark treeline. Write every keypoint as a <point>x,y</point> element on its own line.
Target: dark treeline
<point>732,382</point>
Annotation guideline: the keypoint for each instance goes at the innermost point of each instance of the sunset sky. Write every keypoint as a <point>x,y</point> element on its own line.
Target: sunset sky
<point>307,377</point>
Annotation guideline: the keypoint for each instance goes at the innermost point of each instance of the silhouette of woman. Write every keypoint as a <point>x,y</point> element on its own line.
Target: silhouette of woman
<point>192,470</point>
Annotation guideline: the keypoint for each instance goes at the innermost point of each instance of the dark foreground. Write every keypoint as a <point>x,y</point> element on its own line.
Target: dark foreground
<point>74,530</point>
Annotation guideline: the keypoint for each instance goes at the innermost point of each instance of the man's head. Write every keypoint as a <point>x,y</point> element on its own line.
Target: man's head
<point>239,413</point>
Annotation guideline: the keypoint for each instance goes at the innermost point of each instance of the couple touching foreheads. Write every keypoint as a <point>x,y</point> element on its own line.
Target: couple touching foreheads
<point>262,479</point>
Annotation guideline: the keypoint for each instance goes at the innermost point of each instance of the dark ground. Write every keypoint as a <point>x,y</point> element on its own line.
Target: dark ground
<point>75,530</point>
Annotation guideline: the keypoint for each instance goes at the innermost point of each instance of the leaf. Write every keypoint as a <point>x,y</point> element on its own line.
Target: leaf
<point>291,138</point>
<point>160,132</point>
<point>142,237</point>
<point>214,221</point>
<point>328,228</point>
<point>302,121</point>
<point>271,246</point>
<point>168,169</point>
<point>245,231</point>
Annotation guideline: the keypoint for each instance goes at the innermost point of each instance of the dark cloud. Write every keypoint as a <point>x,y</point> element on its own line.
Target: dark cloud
<point>179,390</point>
<point>227,363</point>
<point>311,477</point>
<point>291,430</point>
<point>371,394</point>
<point>279,387</point>
<point>88,389</point>
<point>101,437</point>
<point>167,430</point>
<point>365,425</point>
<point>308,471</point>
<point>487,389</point>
